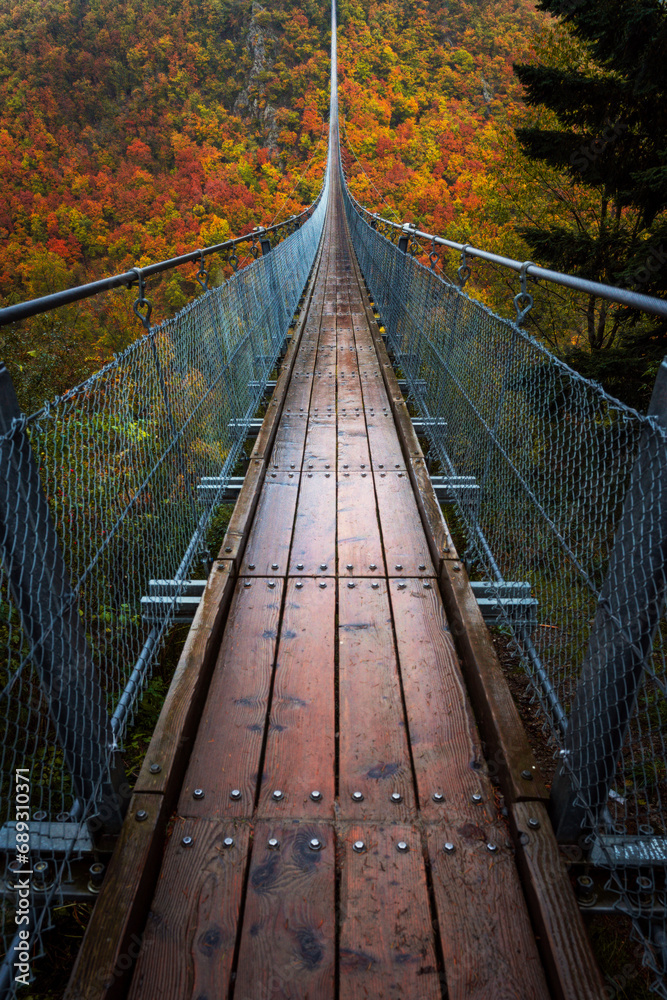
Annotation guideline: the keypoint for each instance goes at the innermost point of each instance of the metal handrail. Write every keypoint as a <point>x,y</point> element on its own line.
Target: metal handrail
<point>647,303</point>
<point>33,307</point>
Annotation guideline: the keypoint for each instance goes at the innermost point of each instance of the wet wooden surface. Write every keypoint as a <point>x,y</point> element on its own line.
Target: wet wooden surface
<point>337,835</point>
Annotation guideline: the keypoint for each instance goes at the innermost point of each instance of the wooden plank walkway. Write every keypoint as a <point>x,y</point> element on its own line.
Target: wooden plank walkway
<point>336,833</point>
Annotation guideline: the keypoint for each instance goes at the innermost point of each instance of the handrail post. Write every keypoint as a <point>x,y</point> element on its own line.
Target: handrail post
<point>264,240</point>
<point>40,588</point>
<point>404,238</point>
<point>629,609</point>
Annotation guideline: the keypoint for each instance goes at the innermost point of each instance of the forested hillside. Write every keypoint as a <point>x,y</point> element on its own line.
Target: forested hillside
<point>133,132</point>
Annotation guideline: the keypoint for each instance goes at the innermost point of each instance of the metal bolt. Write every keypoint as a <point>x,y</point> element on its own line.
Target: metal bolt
<point>449,848</point>
<point>372,566</point>
<point>358,796</point>
<point>95,876</point>
<point>316,796</point>
<point>527,775</point>
<point>349,566</point>
<point>396,797</point>
<point>141,815</point>
<point>155,769</point>
<point>456,567</point>
<point>438,797</point>
<point>228,842</point>
<point>399,567</point>
<point>492,848</point>
<point>402,846</point>
<point>402,586</point>
<point>235,794</point>
<point>359,846</point>
<point>584,888</point>
<point>187,842</point>
<point>351,584</point>
<point>322,585</point>
<point>273,843</point>
<point>375,585</point>
<point>315,844</point>
<point>299,584</point>
<point>228,548</point>
<point>271,583</point>
<point>278,795</point>
<point>476,797</point>
<point>427,585</point>
<point>533,823</point>
<point>422,566</point>
<point>274,565</point>
<point>40,873</point>
<point>323,566</point>
<point>247,584</point>
<point>251,565</point>
<point>198,793</point>
<point>299,565</point>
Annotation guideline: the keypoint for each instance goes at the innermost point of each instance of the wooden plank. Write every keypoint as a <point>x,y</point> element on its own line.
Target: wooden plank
<point>441,544</point>
<point>290,441</point>
<point>359,543</point>
<point>314,544</point>
<point>288,938</point>
<point>405,546</point>
<point>507,747</point>
<point>373,752</point>
<point>300,752</point>
<point>564,944</point>
<point>113,936</point>
<point>173,736</point>
<point>228,748</point>
<point>386,937</point>
<point>353,453</point>
<point>320,450</point>
<point>188,945</point>
<point>446,748</point>
<point>486,936</point>
<point>267,550</point>
<point>383,441</point>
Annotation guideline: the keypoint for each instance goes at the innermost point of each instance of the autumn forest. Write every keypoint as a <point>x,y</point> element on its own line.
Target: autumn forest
<point>134,132</point>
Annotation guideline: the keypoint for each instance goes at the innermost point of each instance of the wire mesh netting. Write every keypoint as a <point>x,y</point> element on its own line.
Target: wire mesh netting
<point>105,499</point>
<point>562,492</point>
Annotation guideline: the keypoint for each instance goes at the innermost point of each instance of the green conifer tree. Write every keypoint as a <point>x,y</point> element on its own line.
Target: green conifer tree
<point>610,137</point>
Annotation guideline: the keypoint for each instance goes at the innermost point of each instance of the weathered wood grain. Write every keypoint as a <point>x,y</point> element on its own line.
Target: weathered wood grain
<point>289,442</point>
<point>238,529</point>
<point>188,945</point>
<point>373,752</point>
<point>320,451</point>
<point>383,441</point>
<point>268,546</point>
<point>300,751</point>
<point>405,545</point>
<point>386,936</point>
<point>446,748</point>
<point>228,747</point>
<point>564,944</point>
<point>353,450</point>
<point>359,543</point>
<point>314,544</point>
<point>288,938</point>
<point>486,936</point>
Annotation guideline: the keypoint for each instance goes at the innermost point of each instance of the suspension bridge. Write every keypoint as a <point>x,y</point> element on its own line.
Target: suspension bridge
<point>339,798</point>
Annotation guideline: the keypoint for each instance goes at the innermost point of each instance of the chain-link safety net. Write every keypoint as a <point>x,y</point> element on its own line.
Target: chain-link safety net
<point>105,500</point>
<point>562,495</point>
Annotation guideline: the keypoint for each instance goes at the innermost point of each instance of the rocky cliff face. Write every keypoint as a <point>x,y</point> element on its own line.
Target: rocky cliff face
<point>252,101</point>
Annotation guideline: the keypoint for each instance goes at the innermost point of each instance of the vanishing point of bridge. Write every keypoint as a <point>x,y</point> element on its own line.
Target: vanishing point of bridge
<point>335,832</point>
